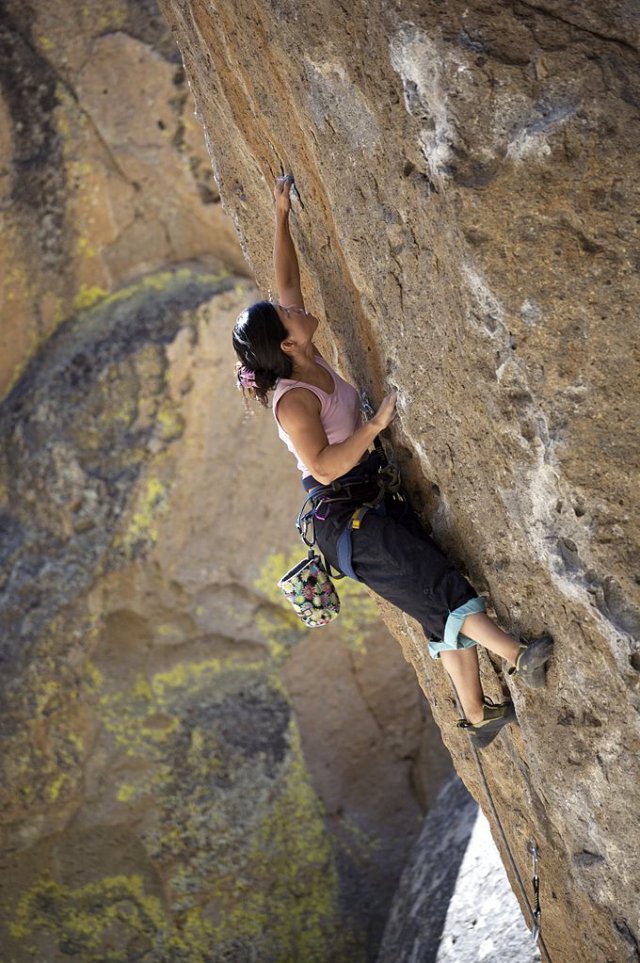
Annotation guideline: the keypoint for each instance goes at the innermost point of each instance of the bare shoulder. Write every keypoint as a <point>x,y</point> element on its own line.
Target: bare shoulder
<point>297,406</point>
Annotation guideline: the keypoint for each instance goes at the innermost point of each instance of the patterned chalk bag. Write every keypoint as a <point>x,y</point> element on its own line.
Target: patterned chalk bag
<point>311,592</point>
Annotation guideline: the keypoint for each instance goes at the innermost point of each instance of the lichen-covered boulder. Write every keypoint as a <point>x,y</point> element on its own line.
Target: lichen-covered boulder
<point>185,774</point>
<point>466,225</point>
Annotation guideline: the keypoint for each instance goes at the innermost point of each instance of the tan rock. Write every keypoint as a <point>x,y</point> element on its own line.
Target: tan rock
<point>468,233</point>
<point>104,174</point>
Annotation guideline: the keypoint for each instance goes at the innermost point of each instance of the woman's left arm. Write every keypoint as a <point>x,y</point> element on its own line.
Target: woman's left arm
<point>285,260</point>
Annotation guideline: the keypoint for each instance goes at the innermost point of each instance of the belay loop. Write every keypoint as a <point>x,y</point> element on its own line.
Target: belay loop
<point>382,476</point>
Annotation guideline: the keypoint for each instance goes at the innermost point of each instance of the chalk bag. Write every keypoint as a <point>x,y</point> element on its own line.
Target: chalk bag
<point>311,592</point>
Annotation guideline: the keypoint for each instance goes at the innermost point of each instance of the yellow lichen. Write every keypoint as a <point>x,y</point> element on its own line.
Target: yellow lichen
<point>171,422</point>
<point>77,741</point>
<point>87,917</point>
<point>142,689</point>
<point>291,905</point>
<point>93,677</point>
<point>196,673</point>
<point>153,501</point>
<point>15,280</point>
<point>269,887</point>
<point>85,247</point>
<point>56,786</point>
<point>88,296</point>
<point>46,691</point>
<point>45,43</point>
<point>126,792</point>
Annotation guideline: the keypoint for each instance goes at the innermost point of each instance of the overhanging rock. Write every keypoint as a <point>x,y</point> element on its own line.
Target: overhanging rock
<point>466,228</point>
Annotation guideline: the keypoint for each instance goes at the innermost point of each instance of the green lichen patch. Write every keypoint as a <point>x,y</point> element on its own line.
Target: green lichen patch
<point>110,921</point>
<point>76,432</point>
<point>239,829</point>
<point>87,296</point>
<point>151,504</point>
<point>171,423</point>
<point>47,728</point>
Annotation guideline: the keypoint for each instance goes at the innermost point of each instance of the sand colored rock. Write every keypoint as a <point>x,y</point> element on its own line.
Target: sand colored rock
<point>104,172</point>
<point>467,229</point>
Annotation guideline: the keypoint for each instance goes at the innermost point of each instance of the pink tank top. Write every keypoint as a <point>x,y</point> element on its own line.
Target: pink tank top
<point>340,412</point>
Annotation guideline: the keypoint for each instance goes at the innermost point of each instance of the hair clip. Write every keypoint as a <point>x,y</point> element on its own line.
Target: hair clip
<point>246,377</point>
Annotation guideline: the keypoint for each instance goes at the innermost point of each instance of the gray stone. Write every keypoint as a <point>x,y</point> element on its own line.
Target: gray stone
<point>454,903</point>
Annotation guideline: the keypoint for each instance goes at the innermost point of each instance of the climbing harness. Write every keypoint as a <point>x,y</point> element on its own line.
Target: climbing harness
<point>367,485</point>
<point>308,586</point>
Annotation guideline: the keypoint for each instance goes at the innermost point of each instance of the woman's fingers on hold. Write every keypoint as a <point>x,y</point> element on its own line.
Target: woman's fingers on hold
<point>387,409</point>
<point>284,182</point>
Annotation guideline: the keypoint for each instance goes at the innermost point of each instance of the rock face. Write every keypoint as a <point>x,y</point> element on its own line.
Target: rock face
<point>104,175</point>
<point>466,226</point>
<point>186,775</point>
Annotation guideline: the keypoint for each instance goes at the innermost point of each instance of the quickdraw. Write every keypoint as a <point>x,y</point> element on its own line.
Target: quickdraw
<point>536,912</point>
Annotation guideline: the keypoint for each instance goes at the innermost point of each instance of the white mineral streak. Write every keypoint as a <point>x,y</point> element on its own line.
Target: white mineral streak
<point>416,58</point>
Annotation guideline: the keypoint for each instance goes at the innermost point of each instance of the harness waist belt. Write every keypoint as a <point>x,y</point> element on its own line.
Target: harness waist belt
<point>360,473</point>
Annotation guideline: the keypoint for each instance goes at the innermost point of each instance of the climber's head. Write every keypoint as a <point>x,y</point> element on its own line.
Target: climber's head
<point>257,339</point>
<point>301,326</point>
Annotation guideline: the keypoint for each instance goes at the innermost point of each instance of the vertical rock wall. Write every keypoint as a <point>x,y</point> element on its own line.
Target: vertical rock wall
<point>467,226</point>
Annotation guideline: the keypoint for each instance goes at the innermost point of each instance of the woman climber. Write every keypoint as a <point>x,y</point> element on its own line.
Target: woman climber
<point>319,419</point>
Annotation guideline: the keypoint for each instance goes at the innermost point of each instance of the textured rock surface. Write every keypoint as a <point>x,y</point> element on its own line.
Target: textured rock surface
<point>104,174</point>
<point>469,233</point>
<point>185,775</point>
<point>454,903</point>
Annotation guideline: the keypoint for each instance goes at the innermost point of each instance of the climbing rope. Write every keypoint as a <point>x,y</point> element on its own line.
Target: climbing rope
<point>535,913</point>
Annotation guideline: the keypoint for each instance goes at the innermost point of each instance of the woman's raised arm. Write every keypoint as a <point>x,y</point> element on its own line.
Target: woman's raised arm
<point>285,260</point>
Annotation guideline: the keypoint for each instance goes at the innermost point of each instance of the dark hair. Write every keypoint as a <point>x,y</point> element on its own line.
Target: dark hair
<point>257,336</point>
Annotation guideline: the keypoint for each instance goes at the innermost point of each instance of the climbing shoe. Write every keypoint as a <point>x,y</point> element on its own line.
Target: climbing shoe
<point>532,661</point>
<point>496,715</point>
